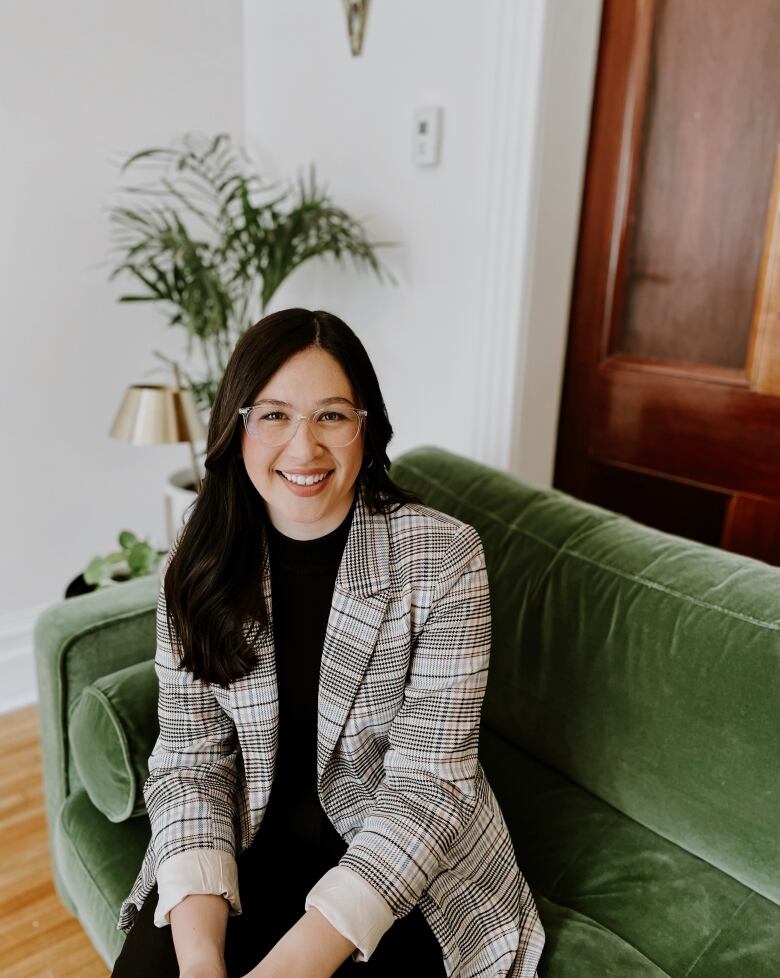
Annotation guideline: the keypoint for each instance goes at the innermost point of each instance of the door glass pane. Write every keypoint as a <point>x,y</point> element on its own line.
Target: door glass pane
<point>711,131</point>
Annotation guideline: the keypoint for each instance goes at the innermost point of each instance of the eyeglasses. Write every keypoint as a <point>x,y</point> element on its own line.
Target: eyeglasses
<point>334,427</point>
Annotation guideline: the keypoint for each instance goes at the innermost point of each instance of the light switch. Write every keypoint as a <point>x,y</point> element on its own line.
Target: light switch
<point>427,135</point>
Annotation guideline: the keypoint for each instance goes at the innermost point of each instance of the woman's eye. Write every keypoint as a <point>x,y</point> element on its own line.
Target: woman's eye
<point>272,416</point>
<point>331,416</point>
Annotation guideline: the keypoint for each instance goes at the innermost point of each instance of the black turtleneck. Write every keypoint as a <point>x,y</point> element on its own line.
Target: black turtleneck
<point>303,575</point>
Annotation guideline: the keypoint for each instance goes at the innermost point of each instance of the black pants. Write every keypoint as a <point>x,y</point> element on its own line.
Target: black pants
<point>273,883</point>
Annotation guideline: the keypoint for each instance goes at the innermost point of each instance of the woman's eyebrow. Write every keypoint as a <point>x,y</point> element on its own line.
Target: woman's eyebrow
<point>325,400</point>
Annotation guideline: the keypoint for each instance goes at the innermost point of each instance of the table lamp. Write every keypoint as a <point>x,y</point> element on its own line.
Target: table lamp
<point>155,414</point>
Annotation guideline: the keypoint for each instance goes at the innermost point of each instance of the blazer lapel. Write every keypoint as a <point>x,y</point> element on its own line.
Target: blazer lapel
<point>360,597</point>
<point>254,704</point>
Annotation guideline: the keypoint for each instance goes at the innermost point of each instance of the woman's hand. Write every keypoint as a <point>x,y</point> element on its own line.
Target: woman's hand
<point>311,948</point>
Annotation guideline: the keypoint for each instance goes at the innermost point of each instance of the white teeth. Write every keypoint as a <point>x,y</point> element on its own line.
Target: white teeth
<point>304,480</point>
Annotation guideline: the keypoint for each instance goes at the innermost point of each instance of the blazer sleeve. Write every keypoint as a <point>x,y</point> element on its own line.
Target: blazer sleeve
<point>427,795</point>
<point>353,907</point>
<point>190,791</point>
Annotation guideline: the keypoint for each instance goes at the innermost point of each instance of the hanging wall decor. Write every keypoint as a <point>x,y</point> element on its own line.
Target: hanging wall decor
<point>356,11</point>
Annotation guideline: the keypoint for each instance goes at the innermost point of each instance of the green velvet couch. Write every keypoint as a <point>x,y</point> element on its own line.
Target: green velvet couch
<point>631,731</point>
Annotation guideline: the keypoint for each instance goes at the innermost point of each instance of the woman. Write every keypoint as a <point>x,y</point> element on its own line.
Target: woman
<point>353,685</point>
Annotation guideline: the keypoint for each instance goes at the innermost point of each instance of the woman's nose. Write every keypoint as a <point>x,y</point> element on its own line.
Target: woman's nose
<point>304,439</point>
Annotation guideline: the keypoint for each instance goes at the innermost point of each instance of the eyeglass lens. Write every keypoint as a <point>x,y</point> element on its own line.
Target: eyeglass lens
<point>332,427</point>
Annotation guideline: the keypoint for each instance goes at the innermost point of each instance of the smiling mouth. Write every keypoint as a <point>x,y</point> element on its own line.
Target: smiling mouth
<point>301,480</point>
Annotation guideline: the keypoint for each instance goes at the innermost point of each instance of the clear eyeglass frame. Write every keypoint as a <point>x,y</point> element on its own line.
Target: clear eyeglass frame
<point>361,413</point>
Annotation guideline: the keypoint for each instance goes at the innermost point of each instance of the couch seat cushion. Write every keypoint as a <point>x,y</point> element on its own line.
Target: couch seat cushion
<point>615,898</point>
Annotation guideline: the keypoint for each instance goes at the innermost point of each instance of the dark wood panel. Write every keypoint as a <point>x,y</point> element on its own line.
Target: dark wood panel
<point>752,526</point>
<point>675,507</point>
<point>714,434</point>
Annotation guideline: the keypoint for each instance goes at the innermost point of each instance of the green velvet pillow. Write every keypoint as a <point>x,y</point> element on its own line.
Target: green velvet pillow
<point>112,731</point>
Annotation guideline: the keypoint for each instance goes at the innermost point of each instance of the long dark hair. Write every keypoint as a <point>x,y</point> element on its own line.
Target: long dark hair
<point>213,578</point>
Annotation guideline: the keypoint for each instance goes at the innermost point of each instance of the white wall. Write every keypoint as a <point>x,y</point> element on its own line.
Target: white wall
<point>567,73</point>
<point>469,347</point>
<point>84,84</point>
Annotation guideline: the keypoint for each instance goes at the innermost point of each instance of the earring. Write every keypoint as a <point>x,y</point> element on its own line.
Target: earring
<point>370,460</point>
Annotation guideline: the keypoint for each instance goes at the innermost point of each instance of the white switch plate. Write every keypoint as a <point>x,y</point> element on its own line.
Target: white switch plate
<point>426,143</point>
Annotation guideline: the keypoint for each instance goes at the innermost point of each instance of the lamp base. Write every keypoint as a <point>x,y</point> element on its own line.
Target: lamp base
<point>179,495</point>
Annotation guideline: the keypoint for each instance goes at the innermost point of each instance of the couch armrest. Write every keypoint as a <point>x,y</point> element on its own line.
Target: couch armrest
<point>77,641</point>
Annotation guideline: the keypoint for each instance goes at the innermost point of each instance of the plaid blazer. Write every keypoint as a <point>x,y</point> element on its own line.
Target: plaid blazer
<point>402,679</point>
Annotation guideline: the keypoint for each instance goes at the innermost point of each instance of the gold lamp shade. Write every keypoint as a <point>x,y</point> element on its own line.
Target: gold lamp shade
<point>155,414</point>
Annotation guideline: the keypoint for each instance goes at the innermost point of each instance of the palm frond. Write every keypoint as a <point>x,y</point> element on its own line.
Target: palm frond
<point>209,239</point>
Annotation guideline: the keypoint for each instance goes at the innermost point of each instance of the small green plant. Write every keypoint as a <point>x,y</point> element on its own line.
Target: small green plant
<point>135,559</point>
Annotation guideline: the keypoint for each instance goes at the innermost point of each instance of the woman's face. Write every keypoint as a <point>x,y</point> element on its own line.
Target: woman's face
<point>306,380</point>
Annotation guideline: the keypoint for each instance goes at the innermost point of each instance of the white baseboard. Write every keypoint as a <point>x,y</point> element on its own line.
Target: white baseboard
<point>18,686</point>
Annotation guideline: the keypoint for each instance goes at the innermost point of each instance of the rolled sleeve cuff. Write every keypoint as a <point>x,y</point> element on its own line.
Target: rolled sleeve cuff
<point>196,871</point>
<point>353,907</point>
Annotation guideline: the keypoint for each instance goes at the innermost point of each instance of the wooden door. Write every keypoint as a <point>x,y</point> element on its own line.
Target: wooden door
<point>671,403</point>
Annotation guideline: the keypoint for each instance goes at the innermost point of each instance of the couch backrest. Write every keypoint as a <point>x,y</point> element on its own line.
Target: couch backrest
<point>643,666</point>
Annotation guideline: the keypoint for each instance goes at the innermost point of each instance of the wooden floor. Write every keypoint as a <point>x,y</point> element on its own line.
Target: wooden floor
<point>38,937</point>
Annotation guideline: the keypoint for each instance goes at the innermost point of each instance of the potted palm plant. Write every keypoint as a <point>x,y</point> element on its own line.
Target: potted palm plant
<point>210,242</point>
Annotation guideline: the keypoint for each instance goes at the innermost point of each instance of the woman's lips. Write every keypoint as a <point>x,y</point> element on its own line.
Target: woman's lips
<point>312,490</point>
